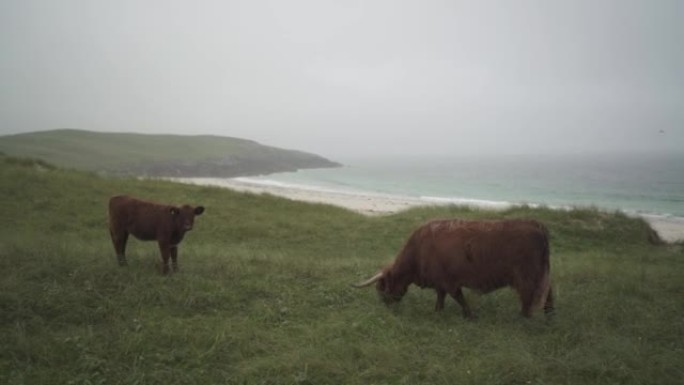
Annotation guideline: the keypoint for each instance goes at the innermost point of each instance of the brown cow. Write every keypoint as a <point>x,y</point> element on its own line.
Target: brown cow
<point>447,255</point>
<point>150,221</point>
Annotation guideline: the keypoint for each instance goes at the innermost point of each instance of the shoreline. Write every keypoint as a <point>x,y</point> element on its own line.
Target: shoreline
<point>670,229</point>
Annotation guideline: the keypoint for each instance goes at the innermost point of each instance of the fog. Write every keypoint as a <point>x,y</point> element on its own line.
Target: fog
<point>354,78</point>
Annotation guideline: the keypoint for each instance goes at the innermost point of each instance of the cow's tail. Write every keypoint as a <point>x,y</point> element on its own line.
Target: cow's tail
<point>543,292</point>
<point>543,295</point>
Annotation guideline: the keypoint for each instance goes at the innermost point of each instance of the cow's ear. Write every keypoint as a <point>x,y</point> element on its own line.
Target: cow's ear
<point>174,210</point>
<point>199,210</point>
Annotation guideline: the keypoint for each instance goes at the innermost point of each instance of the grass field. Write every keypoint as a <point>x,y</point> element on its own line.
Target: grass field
<point>264,296</point>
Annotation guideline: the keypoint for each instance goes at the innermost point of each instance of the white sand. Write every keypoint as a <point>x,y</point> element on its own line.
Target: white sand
<point>365,203</point>
<point>670,229</point>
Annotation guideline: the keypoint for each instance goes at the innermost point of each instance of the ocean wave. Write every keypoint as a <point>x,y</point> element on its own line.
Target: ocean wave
<point>272,183</point>
<point>426,199</point>
<point>311,187</point>
<point>469,202</point>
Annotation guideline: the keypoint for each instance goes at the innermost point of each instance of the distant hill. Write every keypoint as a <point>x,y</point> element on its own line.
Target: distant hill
<point>158,155</point>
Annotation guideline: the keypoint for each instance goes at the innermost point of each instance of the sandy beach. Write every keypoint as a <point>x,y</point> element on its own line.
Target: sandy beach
<point>670,229</point>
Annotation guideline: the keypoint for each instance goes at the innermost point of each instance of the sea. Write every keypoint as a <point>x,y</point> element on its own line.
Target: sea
<point>644,184</point>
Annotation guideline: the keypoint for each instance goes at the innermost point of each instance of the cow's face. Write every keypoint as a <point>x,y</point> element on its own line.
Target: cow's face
<point>184,217</point>
<point>388,290</point>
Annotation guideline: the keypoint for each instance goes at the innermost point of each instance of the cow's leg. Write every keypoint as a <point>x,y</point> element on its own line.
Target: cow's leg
<point>440,299</point>
<point>119,240</point>
<point>548,305</point>
<point>527,299</point>
<point>165,255</point>
<point>174,258</point>
<point>458,296</point>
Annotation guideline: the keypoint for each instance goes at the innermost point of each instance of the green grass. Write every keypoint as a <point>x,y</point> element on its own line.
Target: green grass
<point>264,296</point>
<point>159,155</point>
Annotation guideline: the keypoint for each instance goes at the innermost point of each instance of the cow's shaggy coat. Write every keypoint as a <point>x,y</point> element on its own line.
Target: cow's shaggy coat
<point>447,255</point>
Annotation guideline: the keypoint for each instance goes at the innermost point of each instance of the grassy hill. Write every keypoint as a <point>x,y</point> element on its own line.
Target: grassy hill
<point>264,296</point>
<point>157,155</point>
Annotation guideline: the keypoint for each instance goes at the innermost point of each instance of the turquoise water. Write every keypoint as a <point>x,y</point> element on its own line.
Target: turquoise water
<point>652,184</point>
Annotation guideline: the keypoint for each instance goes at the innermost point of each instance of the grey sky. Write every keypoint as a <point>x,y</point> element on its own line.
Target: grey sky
<point>353,78</point>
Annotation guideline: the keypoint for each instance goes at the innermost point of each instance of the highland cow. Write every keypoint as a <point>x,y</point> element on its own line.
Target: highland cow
<point>447,255</point>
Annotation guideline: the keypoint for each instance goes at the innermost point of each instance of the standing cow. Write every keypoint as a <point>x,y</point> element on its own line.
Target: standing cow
<point>150,221</point>
<point>447,255</point>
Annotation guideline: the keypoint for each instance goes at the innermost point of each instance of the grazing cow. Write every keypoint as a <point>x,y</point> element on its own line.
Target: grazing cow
<point>150,221</point>
<point>447,255</point>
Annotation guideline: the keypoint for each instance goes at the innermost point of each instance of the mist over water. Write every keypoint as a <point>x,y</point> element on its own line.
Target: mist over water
<point>343,78</point>
<point>645,184</point>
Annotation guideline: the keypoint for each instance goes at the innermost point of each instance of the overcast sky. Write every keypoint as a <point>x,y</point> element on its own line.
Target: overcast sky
<point>353,78</point>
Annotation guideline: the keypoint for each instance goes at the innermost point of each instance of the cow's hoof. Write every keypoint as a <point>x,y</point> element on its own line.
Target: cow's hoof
<point>550,314</point>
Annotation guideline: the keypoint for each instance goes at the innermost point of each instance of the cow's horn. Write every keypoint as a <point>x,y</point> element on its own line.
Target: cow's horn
<point>370,281</point>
